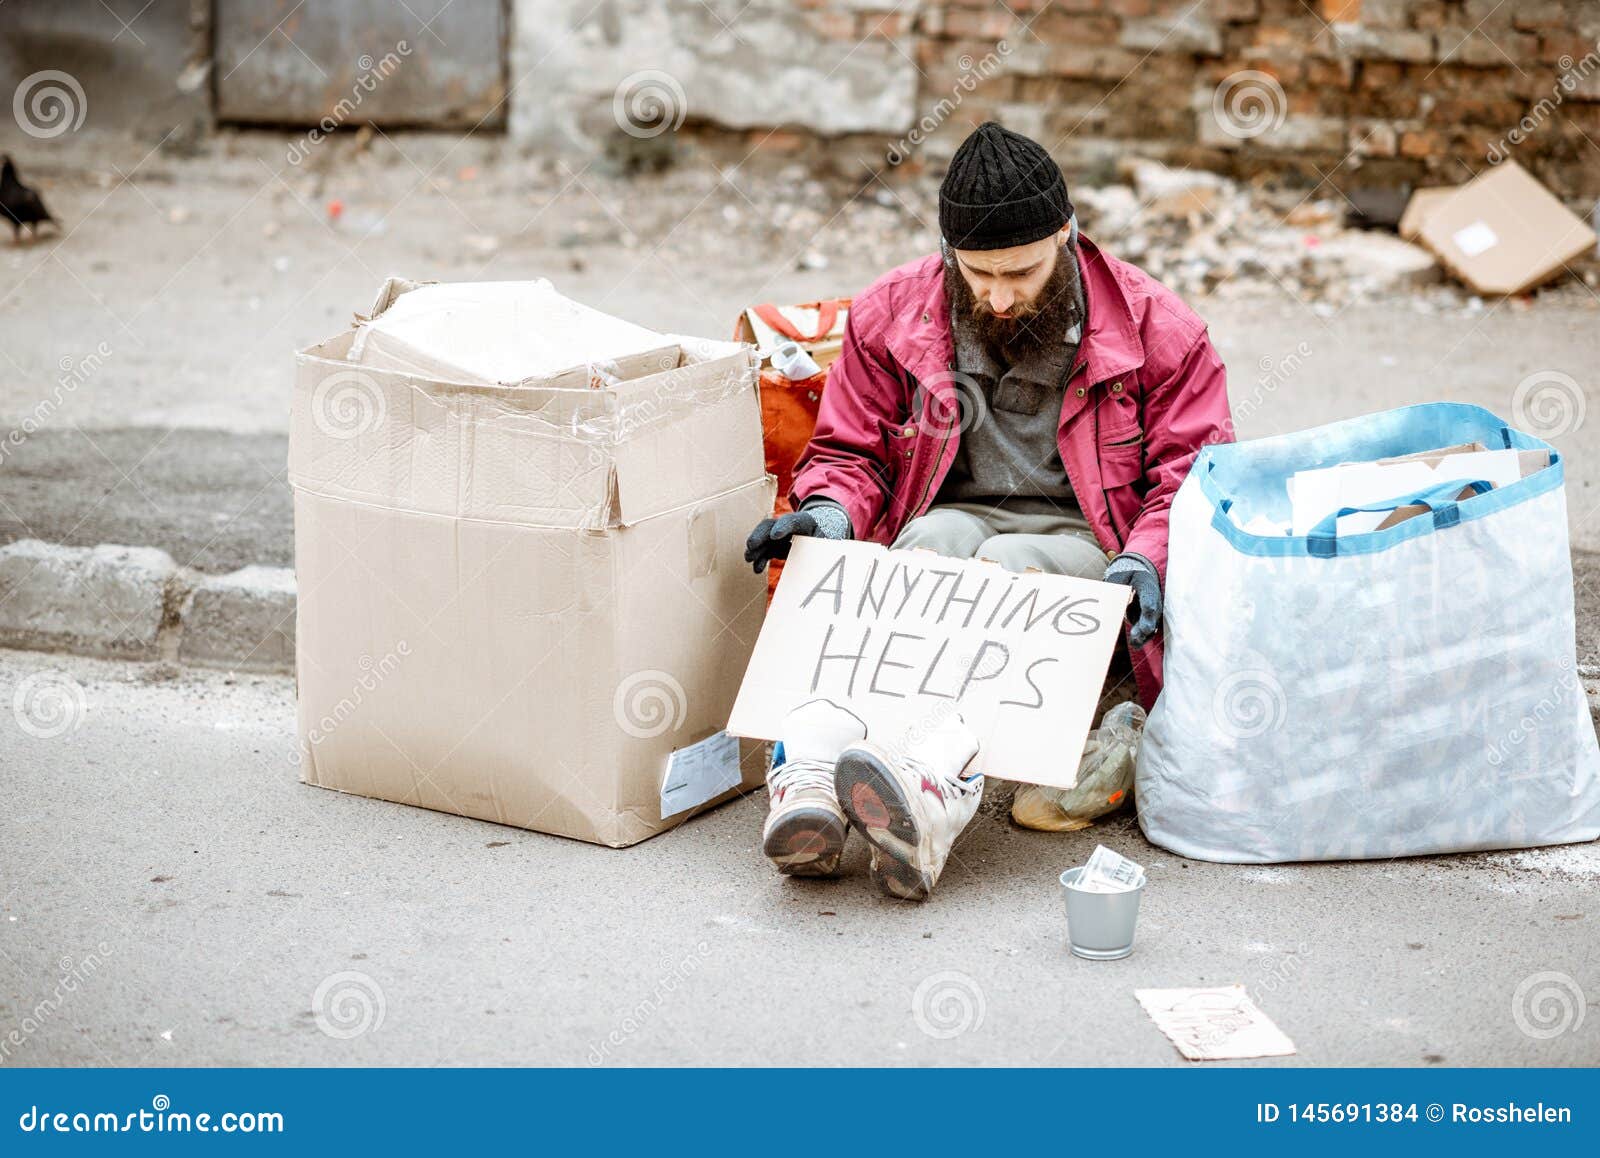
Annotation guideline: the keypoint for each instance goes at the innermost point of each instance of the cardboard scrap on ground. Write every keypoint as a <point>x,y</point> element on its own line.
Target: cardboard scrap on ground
<point>1422,203</point>
<point>907,638</point>
<point>1218,1024</point>
<point>1501,233</point>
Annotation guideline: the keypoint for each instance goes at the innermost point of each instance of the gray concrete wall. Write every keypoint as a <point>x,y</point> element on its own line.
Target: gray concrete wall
<point>581,74</point>
<point>132,66</point>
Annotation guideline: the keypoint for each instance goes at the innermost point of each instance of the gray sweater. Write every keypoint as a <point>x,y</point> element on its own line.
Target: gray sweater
<point>1008,455</point>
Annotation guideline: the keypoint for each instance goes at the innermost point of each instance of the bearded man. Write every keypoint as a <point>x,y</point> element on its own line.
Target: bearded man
<point>1021,397</point>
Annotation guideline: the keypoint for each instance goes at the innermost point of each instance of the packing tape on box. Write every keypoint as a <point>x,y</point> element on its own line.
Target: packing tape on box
<point>702,528</point>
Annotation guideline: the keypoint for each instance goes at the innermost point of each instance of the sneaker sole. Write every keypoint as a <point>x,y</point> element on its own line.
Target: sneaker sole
<point>805,842</point>
<point>873,800</point>
<point>898,879</point>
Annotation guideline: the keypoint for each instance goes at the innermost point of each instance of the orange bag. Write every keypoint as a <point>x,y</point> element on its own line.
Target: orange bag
<point>789,406</point>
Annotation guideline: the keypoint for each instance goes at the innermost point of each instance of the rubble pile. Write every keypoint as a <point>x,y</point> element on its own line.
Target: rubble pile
<point>1201,233</point>
<point>1198,232</point>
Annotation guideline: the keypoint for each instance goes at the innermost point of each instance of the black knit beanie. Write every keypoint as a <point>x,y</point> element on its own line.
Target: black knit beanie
<point>1001,189</point>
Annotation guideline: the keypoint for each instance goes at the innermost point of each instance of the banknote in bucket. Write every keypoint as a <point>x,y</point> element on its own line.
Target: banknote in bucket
<point>1109,872</point>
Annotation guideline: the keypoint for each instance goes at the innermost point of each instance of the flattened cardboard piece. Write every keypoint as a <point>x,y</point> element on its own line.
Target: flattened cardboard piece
<point>1433,457</point>
<point>907,638</point>
<point>1504,232</point>
<point>1528,462</point>
<point>1216,1024</point>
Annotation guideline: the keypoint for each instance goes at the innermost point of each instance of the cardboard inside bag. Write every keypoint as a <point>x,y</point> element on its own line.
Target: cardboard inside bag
<point>1314,494</point>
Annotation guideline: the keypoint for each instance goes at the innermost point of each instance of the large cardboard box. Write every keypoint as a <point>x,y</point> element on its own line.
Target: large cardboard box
<point>520,603</point>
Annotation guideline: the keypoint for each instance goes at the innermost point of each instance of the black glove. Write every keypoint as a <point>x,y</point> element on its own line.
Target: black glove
<point>1144,612</point>
<point>772,538</point>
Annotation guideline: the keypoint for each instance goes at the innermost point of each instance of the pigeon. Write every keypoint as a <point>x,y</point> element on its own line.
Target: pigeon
<point>19,204</point>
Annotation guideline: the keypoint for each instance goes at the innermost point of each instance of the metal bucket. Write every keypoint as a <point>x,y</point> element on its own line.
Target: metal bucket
<point>1100,925</point>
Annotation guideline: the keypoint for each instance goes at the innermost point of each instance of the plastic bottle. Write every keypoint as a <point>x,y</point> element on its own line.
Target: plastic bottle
<point>1105,778</point>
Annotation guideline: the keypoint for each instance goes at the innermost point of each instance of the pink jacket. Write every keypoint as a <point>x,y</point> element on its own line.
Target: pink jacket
<point>1147,391</point>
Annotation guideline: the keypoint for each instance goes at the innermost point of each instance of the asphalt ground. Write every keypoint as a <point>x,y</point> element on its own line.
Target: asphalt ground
<point>170,894</point>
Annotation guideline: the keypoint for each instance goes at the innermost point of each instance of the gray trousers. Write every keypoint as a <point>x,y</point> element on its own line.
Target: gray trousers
<point>1058,543</point>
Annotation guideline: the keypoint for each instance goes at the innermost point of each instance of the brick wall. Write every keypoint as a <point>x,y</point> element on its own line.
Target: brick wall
<point>1360,92</point>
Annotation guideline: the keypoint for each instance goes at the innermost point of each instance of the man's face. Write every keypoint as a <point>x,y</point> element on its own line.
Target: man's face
<point>1009,284</point>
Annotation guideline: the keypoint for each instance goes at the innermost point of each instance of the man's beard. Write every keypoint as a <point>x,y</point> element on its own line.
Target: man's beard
<point>1039,325</point>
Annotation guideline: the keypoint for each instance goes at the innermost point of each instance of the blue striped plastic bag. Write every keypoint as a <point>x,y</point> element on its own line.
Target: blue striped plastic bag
<point>1344,696</point>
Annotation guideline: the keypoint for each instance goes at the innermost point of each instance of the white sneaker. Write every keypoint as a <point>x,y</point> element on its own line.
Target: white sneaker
<point>805,830</point>
<point>911,803</point>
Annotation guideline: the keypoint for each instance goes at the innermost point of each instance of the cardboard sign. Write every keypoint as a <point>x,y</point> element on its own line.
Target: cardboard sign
<point>906,638</point>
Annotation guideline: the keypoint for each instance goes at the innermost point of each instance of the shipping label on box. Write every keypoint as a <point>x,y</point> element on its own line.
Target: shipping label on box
<point>700,772</point>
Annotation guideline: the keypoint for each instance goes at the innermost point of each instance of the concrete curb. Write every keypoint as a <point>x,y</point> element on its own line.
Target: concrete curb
<point>242,619</point>
<point>136,603</point>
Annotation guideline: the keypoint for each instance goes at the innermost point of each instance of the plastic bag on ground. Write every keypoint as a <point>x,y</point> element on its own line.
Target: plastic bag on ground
<point>1401,691</point>
<point>1105,778</point>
